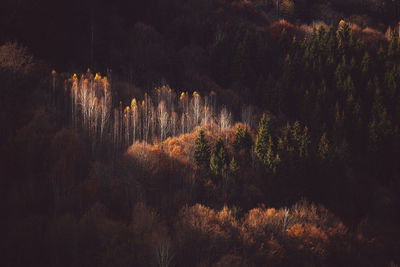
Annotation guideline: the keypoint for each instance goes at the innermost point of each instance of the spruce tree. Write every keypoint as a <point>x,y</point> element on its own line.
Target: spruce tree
<point>263,140</point>
<point>202,151</point>
<point>323,147</point>
<point>233,167</point>
<point>243,140</point>
<point>238,139</point>
<point>218,158</point>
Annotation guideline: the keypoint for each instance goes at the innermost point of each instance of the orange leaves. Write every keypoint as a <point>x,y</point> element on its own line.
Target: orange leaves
<point>341,24</point>
<point>175,148</point>
<point>15,58</point>
<point>305,226</point>
<point>311,238</point>
<point>147,154</point>
<point>183,96</point>
<point>206,221</point>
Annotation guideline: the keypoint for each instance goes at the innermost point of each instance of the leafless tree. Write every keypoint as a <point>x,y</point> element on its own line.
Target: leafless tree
<point>163,118</point>
<point>164,254</point>
<point>74,100</point>
<point>184,106</point>
<point>195,104</point>
<point>127,115</point>
<point>147,114</point>
<point>174,123</point>
<point>105,107</point>
<point>116,129</point>
<point>134,118</point>
<point>247,113</point>
<point>225,119</point>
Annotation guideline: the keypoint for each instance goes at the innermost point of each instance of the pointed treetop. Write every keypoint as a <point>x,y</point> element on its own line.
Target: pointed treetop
<point>133,104</point>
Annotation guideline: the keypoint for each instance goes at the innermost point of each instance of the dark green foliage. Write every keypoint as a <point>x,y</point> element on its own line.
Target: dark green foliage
<point>243,140</point>
<point>219,158</point>
<point>233,167</point>
<point>202,151</point>
<point>263,143</point>
<point>323,147</point>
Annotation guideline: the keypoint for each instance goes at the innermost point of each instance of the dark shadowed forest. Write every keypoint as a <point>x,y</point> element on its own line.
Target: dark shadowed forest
<point>200,133</point>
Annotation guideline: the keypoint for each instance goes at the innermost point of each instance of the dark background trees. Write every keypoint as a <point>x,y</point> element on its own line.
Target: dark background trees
<point>330,133</point>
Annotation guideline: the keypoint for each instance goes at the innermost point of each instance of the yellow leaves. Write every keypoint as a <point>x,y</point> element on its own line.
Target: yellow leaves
<point>97,77</point>
<point>225,217</point>
<point>127,109</point>
<point>195,94</point>
<point>133,104</point>
<point>53,72</point>
<point>183,96</point>
<point>341,24</point>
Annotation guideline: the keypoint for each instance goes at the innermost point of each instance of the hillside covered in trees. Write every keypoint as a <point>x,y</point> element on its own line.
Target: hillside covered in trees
<point>200,133</point>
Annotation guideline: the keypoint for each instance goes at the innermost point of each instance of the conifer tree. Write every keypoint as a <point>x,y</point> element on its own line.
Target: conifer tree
<point>219,158</point>
<point>269,156</point>
<point>202,151</point>
<point>243,140</point>
<point>365,63</point>
<point>323,147</point>
<point>233,167</point>
<point>380,126</point>
<point>305,142</point>
<point>263,139</point>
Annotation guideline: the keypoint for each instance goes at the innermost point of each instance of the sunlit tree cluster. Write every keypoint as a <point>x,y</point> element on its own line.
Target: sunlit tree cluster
<point>159,115</point>
<point>91,103</point>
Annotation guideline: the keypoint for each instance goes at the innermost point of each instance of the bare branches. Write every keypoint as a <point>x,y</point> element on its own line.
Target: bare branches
<point>158,116</point>
<point>164,254</point>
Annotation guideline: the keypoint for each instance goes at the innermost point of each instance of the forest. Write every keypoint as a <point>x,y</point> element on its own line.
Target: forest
<point>200,133</point>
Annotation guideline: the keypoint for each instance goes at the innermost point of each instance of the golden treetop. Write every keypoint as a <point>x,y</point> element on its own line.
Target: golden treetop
<point>341,23</point>
<point>133,104</point>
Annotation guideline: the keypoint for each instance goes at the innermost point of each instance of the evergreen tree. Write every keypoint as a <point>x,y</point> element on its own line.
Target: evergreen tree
<point>243,140</point>
<point>263,140</point>
<point>202,151</point>
<point>345,38</point>
<point>323,147</point>
<point>365,63</point>
<point>233,167</point>
<point>305,142</point>
<point>218,158</point>
<point>380,127</point>
<point>269,157</point>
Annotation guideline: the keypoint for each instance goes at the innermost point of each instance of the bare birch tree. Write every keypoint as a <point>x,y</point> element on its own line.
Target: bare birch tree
<point>163,118</point>
<point>225,119</point>
<point>134,118</point>
<point>195,104</point>
<point>184,106</point>
<point>164,254</point>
